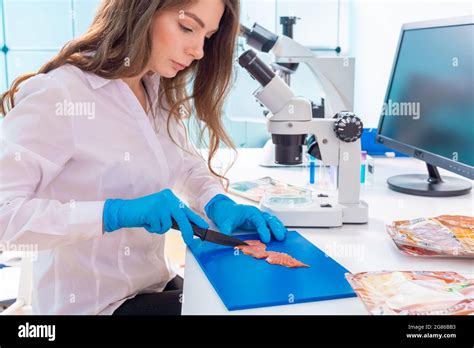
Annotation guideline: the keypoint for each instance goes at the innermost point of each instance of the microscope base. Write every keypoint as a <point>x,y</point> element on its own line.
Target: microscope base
<point>314,215</point>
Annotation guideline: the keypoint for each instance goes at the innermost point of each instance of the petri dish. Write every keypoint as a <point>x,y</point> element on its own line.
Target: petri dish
<point>287,198</point>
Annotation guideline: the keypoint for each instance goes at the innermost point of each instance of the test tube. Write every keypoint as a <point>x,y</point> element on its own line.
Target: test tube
<point>312,170</point>
<point>363,165</point>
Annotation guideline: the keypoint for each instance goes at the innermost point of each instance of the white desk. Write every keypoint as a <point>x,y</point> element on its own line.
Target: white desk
<point>358,248</point>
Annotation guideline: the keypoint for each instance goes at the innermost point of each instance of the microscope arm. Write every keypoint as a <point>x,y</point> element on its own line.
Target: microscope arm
<point>335,74</point>
<point>276,94</point>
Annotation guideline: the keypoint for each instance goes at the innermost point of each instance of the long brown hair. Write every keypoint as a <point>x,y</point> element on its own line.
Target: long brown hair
<point>121,31</point>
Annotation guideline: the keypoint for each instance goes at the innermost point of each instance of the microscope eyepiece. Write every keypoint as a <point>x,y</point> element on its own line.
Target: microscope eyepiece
<point>274,96</point>
<point>247,58</point>
<point>258,37</point>
<point>245,31</point>
<point>256,67</point>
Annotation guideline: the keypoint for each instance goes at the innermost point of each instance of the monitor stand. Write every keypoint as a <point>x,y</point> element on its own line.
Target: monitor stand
<point>433,185</point>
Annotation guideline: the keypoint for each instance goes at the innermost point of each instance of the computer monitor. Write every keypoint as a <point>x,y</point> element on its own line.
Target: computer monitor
<point>428,112</point>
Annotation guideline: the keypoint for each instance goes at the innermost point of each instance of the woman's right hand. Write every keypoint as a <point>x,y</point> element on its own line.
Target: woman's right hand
<point>154,213</point>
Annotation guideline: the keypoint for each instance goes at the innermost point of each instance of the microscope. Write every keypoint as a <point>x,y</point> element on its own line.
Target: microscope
<point>335,74</point>
<point>335,141</point>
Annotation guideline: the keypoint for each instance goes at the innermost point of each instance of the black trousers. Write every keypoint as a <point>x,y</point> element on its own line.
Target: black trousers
<point>167,302</point>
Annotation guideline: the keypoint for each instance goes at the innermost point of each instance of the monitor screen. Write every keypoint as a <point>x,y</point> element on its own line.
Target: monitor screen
<point>429,105</point>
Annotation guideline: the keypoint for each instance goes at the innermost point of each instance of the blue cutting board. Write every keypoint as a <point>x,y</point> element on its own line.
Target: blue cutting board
<point>243,282</point>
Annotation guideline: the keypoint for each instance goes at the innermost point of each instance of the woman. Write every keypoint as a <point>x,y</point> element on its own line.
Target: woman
<point>94,150</point>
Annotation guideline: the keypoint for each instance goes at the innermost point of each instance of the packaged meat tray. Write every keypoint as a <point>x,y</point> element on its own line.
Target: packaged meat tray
<point>414,293</point>
<point>445,235</point>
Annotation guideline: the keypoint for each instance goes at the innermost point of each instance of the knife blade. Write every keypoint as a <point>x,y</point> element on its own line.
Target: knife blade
<point>211,235</point>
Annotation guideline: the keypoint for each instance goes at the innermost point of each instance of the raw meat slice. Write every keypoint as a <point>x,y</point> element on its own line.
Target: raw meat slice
<point>282,259</point>
<point>255,248</point>
<point>256,243</point>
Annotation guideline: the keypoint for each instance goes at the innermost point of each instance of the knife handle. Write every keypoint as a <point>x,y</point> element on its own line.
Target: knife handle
<point>198,231</point>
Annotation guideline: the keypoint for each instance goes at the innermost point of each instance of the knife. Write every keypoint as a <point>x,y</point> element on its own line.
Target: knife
<point>212,236</point>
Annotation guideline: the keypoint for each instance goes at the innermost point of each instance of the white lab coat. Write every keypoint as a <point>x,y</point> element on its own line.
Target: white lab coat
<point>59,162</point>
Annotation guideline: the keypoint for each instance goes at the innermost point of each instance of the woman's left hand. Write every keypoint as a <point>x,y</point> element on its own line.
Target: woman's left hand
<point>228,216</point>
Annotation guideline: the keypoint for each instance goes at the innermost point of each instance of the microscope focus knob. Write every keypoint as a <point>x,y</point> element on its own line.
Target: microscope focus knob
<point>348,127</point>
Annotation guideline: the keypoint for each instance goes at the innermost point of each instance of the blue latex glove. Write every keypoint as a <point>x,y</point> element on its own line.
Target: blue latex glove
<point>153,212</point>
<point>228,216</point>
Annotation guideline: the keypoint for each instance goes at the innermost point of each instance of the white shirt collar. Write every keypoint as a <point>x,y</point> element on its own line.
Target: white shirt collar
<point>153,81</point>
<point>96,81</point>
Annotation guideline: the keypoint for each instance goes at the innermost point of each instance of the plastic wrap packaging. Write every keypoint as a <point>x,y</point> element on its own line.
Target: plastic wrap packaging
<point>414,293</point>
<point>441,236</point>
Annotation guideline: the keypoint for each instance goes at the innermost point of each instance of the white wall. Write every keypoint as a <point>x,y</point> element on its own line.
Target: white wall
<point>374,31</point>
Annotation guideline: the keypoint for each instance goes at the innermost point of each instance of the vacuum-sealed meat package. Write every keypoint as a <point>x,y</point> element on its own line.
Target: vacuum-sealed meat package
<point>414,293</point>
<point>445,235</point>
